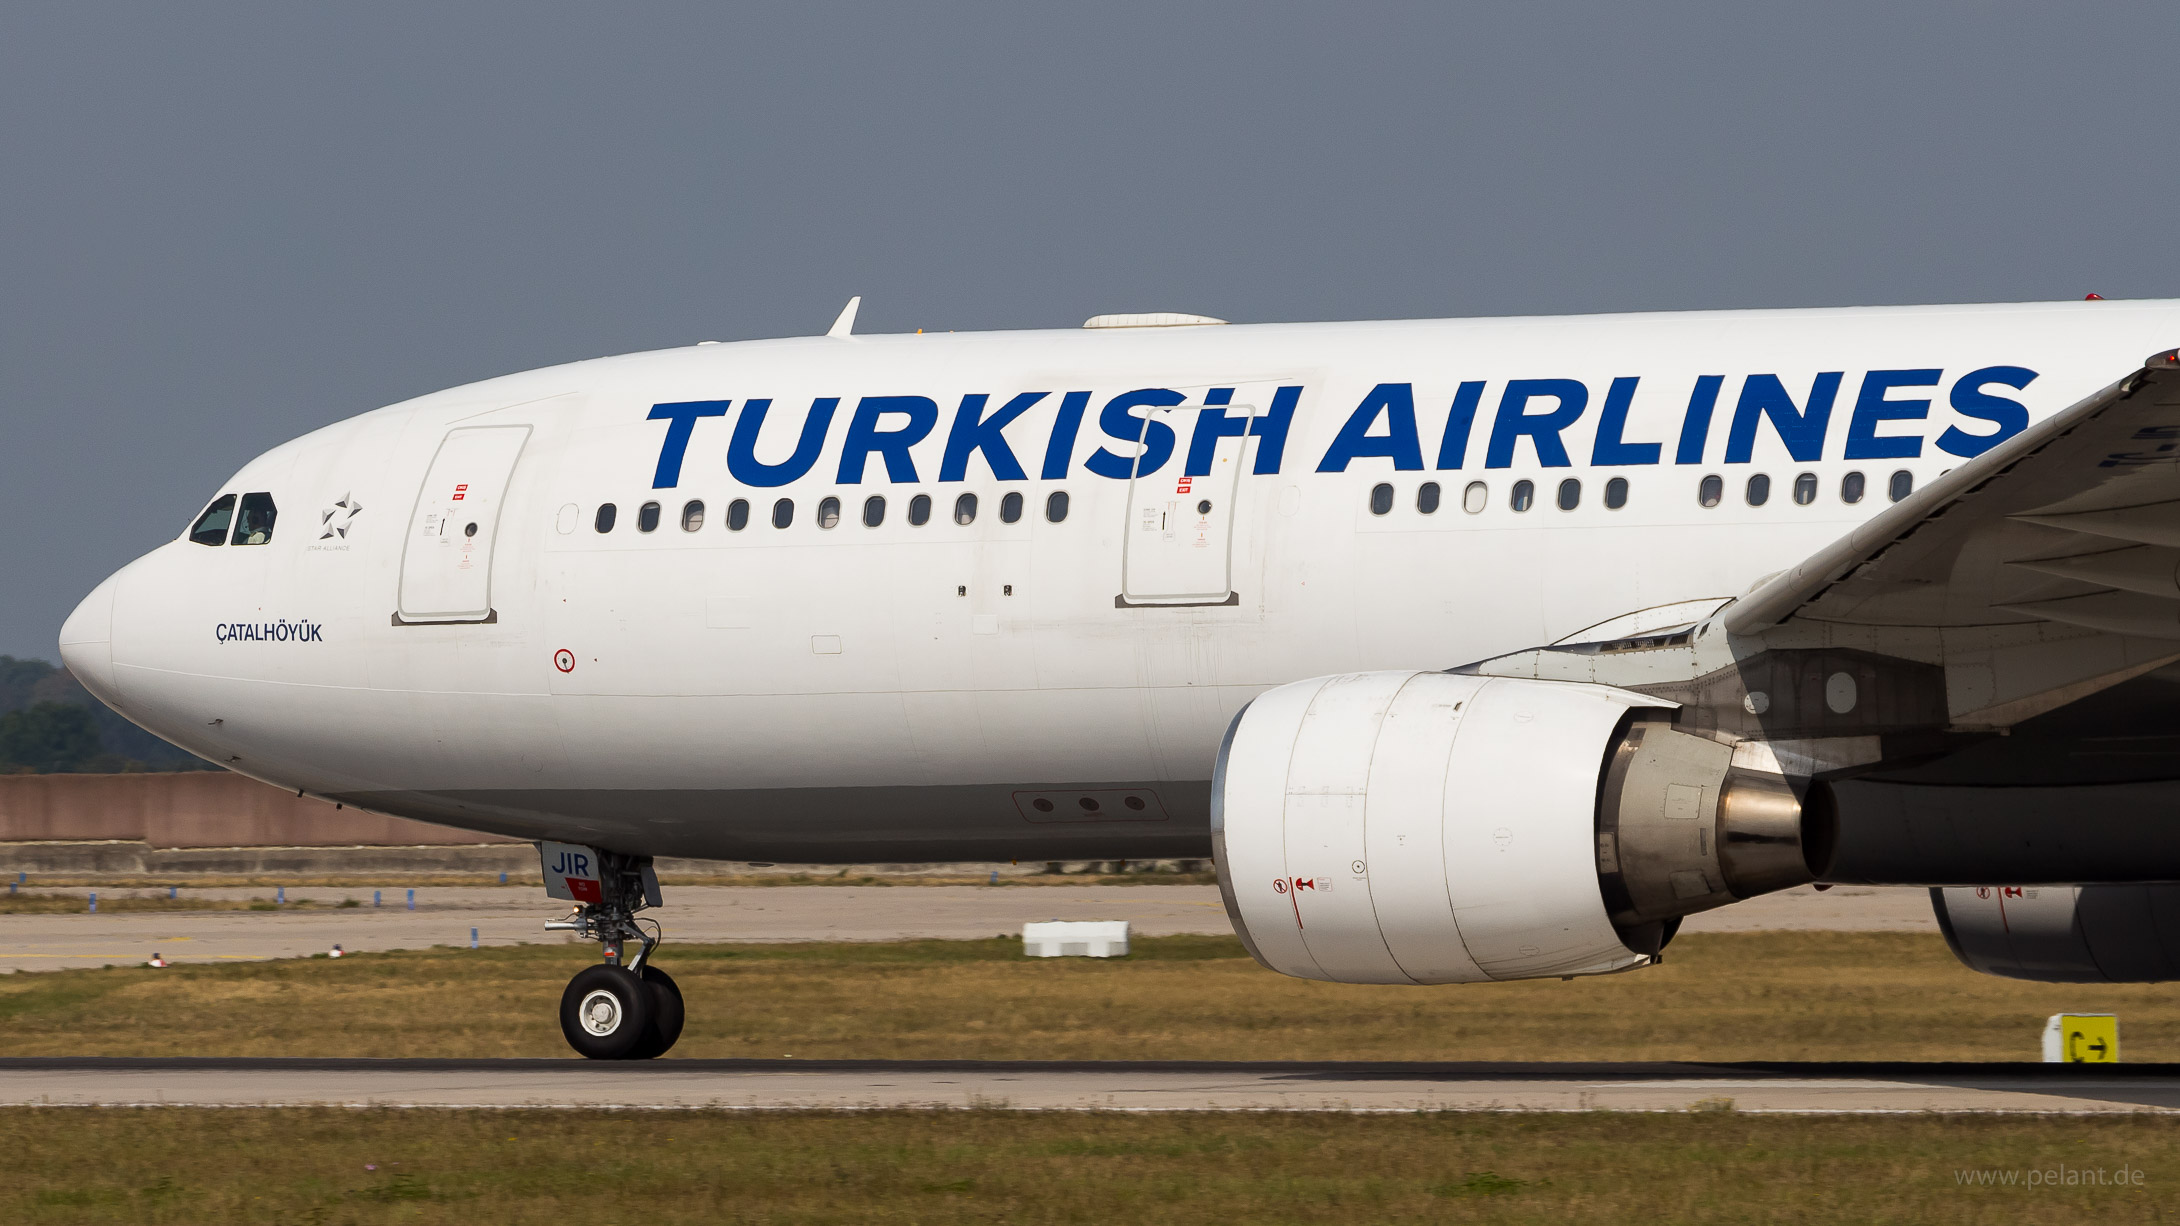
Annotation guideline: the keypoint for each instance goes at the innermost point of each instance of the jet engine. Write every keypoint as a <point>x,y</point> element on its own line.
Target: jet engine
<point>1412,827</point>
<point>2064,933</point>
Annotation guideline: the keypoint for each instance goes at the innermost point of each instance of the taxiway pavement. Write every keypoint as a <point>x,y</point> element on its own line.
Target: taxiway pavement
<point>1056,1086</point>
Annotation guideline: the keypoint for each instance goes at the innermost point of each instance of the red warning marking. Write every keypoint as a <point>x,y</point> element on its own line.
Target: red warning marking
<point>1292,887</point>
<point>461,491</point>
<point>564,660</point>
<point>584,891</point>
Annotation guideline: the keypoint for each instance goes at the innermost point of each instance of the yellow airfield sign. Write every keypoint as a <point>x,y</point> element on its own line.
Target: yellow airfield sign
<point>2082,1038</point>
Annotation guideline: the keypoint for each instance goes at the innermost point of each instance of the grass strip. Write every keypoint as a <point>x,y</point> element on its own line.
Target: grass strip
<point>333,1166</point>
<point>1740,996</point>
<point>109,903</point>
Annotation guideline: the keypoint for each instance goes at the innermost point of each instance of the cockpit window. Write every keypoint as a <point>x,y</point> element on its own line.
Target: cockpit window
<point>211,527</point>
<point>254,525</point>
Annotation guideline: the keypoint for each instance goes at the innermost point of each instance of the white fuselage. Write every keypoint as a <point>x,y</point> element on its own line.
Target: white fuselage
<point>997,688</point>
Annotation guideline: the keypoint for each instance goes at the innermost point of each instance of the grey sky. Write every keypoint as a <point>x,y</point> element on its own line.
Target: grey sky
<point>227,224</point>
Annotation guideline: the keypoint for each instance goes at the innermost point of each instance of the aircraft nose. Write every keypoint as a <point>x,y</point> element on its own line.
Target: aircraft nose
<point>87,641</point>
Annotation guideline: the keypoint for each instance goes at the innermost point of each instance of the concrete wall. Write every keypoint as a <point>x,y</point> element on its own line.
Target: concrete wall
<point>199,809</point>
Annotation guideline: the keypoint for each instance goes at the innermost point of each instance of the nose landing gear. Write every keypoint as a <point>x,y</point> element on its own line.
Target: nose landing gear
<point>624,1009</point>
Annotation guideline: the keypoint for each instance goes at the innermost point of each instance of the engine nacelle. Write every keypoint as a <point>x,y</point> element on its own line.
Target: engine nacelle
<point>1412,827</point>
<point>2064,933</point>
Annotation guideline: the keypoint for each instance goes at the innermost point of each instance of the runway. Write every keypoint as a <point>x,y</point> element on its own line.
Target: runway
<point>514,915</point>
<point>859,1085</point>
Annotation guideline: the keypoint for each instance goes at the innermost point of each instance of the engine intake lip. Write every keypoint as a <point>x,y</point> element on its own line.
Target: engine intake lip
<point>1219,858</point>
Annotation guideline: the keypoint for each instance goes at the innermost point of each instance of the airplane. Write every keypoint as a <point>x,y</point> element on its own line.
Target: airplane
<point>1468,650</point>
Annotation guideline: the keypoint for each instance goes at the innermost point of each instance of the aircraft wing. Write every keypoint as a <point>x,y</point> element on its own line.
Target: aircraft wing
<point>2073,522</point>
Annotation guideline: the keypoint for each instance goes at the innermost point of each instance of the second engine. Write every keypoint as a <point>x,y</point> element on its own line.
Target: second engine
<point>1418,827</point>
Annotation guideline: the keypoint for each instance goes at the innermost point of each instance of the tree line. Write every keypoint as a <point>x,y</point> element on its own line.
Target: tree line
<point>50,724</point>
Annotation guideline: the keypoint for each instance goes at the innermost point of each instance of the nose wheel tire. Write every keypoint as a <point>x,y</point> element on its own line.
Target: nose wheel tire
<point>606,1013</point>
<point>666,1015</point>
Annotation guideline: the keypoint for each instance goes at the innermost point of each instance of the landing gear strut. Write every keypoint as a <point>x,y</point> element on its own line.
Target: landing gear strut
<point>625,1009</point>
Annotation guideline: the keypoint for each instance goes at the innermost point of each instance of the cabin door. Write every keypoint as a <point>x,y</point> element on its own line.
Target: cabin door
<point>1177,548</point>
<point>446,561</point>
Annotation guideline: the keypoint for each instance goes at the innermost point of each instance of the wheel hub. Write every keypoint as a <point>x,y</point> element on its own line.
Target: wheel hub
<point>601,1013</point>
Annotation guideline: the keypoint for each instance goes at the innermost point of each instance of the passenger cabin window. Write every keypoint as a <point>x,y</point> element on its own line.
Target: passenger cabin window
<point>254,521</point>
<point>647,517</point>
<point>1381,498</point>
<point>783,512</point>
<point>919,510</point>
<point>1426,498</point>
<point>1759,490</point>
<point>1056,506</point>
<point>692,516</point>
<point>1805,489</point>
<point>1525,495</point>
<point>1010,509</point>
<point>1475,498</point>
<point>1616,493</point>
<point>829,513</point>
<point>604,520</point>
<point>965,509</point>
<point>874,511</point>
<point>1902,484</point>
<point>738,515</point>
<point>211,527</point>
<point>1570,494</point>
<point>1850,488</point>
<point>1711,491</point>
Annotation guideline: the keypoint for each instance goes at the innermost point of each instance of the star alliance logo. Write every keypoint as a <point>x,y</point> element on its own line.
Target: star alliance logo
<point>337,517</point>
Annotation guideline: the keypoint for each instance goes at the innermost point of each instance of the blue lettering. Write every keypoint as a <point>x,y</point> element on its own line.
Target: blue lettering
<point>742,460</point>
<point>973,432</point>
<point>1212,424</point>
<point>1270,429</point>
<point>1612,423</point>
<point>1871,407</point>
<point>864,436</point>
<point>1060,448</point>
<point>1695,428</point>
<point>1117,422</point>
<point>1453,445</point>
<point>1802,430</point>
<point>1968,397</point>
<point>1396,401</point>
<point>1542,428</point>
<point>681,422</point>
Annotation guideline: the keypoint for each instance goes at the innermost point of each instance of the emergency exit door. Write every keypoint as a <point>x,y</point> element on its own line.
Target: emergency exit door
<point>1178,546</point>
<point>446,562</point>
